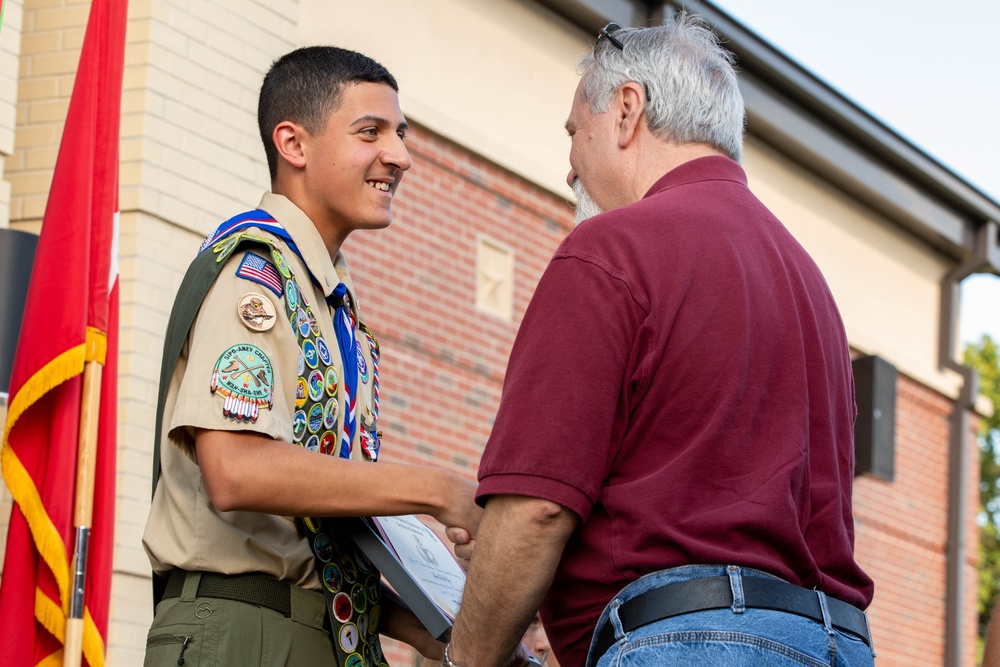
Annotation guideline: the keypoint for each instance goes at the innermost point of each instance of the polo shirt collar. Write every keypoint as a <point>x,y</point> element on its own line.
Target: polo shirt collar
<point>711,168</point>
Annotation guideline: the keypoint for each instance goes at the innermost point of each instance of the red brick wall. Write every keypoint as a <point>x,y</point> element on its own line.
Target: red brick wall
<point>443,362</point>
<point>901,535</point>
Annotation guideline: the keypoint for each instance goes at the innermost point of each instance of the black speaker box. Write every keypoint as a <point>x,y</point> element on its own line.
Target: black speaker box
<point>875,427</point>
<point>17,254</point>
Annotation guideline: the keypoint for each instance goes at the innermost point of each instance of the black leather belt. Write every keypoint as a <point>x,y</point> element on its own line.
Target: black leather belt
<point>686,597</point>
<point>253,588</point>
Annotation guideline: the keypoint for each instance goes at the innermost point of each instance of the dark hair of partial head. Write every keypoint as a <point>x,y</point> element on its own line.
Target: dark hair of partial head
<point>305,87</point>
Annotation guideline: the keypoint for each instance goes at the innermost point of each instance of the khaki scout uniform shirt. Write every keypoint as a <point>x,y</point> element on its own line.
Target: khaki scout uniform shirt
<point>184,529</point>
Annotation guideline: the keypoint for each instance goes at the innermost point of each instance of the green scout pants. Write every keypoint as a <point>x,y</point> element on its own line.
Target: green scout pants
<point>210,632</point>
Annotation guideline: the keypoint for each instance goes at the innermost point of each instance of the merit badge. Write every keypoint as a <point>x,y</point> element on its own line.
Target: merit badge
<point>374,586</point>
<point>323,547</point>
<point>342,608</point>
<point>349,569</point>
<point>332,578</point>
<point>312,444</point>
<point>377,648</point>
<point>243,375</point>
<point>371,651</point>
<point>302,363</point>
<point>300,392</point>
<point>354,660</point>
<point>313,324</point>
<point>358,598</point>
<point>311,524</point>
<point>279,261</point>
<point>324,351</point>
<point>327,443</point>
<point>363,625</point>
<point>310,353</point>
<point>298,425</point>
<point>349,637</point>
<point>331,381</point>
<point>330,414</point>
<point>302,322</point>
<point>256,268</point>
<point>256,312</point>
<point>315,418</point>
<point>373,618</point>
<point>291,295</point>
<point>315,385</point>
<point>361,559</point>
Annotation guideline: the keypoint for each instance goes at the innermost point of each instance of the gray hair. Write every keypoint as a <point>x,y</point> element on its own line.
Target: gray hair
<point>689,78</point>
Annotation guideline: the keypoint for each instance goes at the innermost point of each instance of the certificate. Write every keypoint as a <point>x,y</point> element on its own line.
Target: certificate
<point>416,563</point>
<point>426,558</point>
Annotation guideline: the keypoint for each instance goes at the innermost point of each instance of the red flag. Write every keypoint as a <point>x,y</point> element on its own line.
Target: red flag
<point>71,317</point>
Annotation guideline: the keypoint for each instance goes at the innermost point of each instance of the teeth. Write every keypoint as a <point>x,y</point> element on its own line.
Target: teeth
<point>384,187</point>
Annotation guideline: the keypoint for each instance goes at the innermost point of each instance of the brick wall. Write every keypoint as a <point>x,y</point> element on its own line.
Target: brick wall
<point>10,54</point>
<point>901,535</point>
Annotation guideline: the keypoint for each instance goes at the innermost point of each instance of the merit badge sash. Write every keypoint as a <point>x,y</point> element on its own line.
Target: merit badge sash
<point>351,583</point>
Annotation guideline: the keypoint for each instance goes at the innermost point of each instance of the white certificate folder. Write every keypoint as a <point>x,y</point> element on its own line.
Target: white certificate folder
<point>416,564</point>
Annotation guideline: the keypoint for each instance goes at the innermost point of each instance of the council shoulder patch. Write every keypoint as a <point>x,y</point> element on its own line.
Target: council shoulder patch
<point>244,377</point>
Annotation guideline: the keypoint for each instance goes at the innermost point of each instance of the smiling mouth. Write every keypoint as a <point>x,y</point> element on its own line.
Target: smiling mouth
<point>378,185</point>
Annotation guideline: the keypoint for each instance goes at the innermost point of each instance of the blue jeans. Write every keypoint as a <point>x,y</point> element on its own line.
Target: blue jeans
<point>726,637</point>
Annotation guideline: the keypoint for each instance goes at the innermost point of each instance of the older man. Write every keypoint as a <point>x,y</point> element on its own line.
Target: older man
<point>687,499</point>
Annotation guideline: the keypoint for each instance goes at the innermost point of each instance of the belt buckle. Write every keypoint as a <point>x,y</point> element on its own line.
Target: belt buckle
<point>871,640</point>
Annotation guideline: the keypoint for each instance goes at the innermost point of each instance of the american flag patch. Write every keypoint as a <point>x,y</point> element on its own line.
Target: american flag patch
<point>256,268</point>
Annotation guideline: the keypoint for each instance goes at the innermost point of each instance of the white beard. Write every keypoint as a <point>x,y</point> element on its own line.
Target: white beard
<point>586,207</point>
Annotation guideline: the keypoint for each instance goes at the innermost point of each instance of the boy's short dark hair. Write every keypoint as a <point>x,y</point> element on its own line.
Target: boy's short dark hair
<point>305,85</point>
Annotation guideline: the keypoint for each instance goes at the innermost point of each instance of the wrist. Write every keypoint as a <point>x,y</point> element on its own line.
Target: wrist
<point>446,660</point>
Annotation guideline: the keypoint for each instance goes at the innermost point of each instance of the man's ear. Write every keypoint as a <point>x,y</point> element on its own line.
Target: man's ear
<point>629,104</point>
<point>288,139</point>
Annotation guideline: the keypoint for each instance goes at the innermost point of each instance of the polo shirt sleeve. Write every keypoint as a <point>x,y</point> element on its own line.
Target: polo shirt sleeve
<point>218,343</point>
<point>561,414</point>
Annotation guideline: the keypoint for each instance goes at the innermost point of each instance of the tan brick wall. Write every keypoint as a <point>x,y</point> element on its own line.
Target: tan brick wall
<point>191,157</point>
<point>10,53</point>
<point>190,103</point>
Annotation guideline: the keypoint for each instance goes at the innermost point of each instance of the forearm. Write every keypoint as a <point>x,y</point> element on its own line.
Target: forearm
<point>254,473</point>
<point>519,545</point>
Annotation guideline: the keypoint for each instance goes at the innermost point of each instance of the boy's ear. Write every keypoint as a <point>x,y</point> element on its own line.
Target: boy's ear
<point>288,139</point>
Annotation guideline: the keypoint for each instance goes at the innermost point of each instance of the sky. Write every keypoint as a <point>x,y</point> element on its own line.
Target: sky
<point>927,69</point>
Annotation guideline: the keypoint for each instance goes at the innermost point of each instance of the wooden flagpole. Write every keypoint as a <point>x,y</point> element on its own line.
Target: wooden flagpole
<point>86,464</point>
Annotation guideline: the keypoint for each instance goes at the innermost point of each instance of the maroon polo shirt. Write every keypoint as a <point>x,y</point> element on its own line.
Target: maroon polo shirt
<point>682,382</point>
